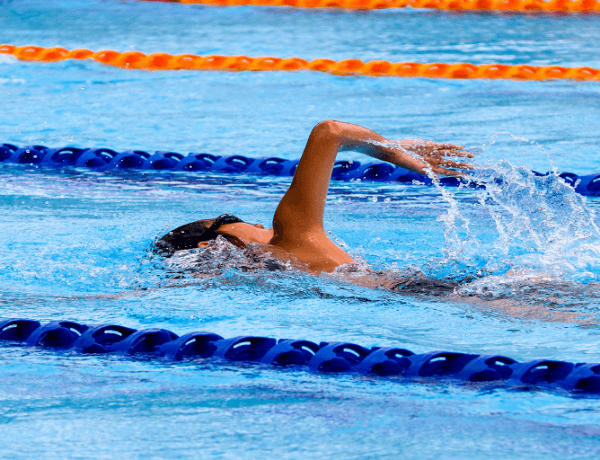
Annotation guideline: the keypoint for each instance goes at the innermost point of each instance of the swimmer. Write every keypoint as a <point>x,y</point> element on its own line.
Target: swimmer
<point>297,236</point>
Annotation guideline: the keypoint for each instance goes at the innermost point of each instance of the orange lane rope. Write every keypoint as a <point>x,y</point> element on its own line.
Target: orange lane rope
<point>564,6</point>
<point>164,61</point>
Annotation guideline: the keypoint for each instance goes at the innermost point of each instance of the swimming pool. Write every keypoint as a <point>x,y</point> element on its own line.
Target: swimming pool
<point>76,242</point>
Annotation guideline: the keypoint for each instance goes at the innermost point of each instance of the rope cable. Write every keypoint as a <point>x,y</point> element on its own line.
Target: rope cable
<point>105,159</point>
<point>529,6</point>
<point>376,68</point>
<point>324,357</point>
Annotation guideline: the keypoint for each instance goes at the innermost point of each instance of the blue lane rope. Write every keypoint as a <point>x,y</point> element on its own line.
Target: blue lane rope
<point>325,357</point>
<point>103,159</point>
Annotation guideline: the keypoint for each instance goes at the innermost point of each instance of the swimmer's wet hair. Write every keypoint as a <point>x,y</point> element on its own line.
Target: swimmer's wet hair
<point>189,235</point>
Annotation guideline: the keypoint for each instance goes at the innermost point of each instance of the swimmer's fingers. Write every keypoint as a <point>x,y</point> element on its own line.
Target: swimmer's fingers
<point>450,163</point>
<point>431,157</point>
<point>435,149</point>
<point>446,167</point>
<point>454,153</point>
<point>439,171</point>
<point>451,150</point>
<point>438,146</point>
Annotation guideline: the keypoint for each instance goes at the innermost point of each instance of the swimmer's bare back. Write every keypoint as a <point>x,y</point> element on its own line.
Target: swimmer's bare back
<point>298,235</point>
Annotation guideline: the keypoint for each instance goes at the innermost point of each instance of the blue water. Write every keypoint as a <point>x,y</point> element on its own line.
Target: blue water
<point>75,243</point>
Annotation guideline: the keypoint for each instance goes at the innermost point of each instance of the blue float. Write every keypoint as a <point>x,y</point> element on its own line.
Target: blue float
<point>337,357</point>
<point>245,348</point>
<point>99,339</point>
<point>57,334</point>
<point>104,159</point>
<point>487,369</point>
<point>17,330</point>
<point>146,341</point>
<point>289,352</point>
<point>334,357</point>
<point>191,345</point>
<point>585,378</point>
<point>386,362</point>
<point>541,371</point>
<point>438,363</point>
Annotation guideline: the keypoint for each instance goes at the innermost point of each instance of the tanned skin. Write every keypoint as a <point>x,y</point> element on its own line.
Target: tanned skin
<point>298,235</point>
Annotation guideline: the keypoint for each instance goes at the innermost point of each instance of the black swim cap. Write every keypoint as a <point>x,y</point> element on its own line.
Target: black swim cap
<point>189,235</point>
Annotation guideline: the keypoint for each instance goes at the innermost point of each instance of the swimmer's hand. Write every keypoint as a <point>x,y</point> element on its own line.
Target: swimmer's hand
<point>415,155</point>
<point>428,157</point>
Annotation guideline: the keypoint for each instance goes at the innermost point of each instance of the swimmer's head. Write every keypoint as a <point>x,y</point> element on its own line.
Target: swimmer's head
<point>200,233</point>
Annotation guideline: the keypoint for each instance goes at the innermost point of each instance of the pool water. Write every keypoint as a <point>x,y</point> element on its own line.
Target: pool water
<point>76,242</point>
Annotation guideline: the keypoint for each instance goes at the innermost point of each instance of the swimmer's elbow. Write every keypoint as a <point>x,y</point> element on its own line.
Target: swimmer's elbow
<point>328,129</point>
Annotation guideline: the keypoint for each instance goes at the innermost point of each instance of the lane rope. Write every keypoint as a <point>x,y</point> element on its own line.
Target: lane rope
<point>325,357</point>
<point>377,68</point>
<point>551,6</point>
<point>104,159</point>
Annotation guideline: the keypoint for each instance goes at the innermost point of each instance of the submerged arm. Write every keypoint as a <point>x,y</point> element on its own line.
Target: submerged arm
<point>300,212</point>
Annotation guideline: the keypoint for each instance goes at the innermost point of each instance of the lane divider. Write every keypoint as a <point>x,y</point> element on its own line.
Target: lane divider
<point>377,68</point>
<point>325,357</point>
<point>552,6</point>
<point>104,159</point>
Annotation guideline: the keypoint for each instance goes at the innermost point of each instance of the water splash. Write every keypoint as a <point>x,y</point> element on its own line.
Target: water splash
<point>523,226</point>
<point>220,255</point>
<point>517,227</point>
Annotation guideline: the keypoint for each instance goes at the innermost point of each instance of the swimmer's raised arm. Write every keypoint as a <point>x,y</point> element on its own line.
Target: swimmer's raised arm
<point>300,212</point>
<point>298,236</point>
